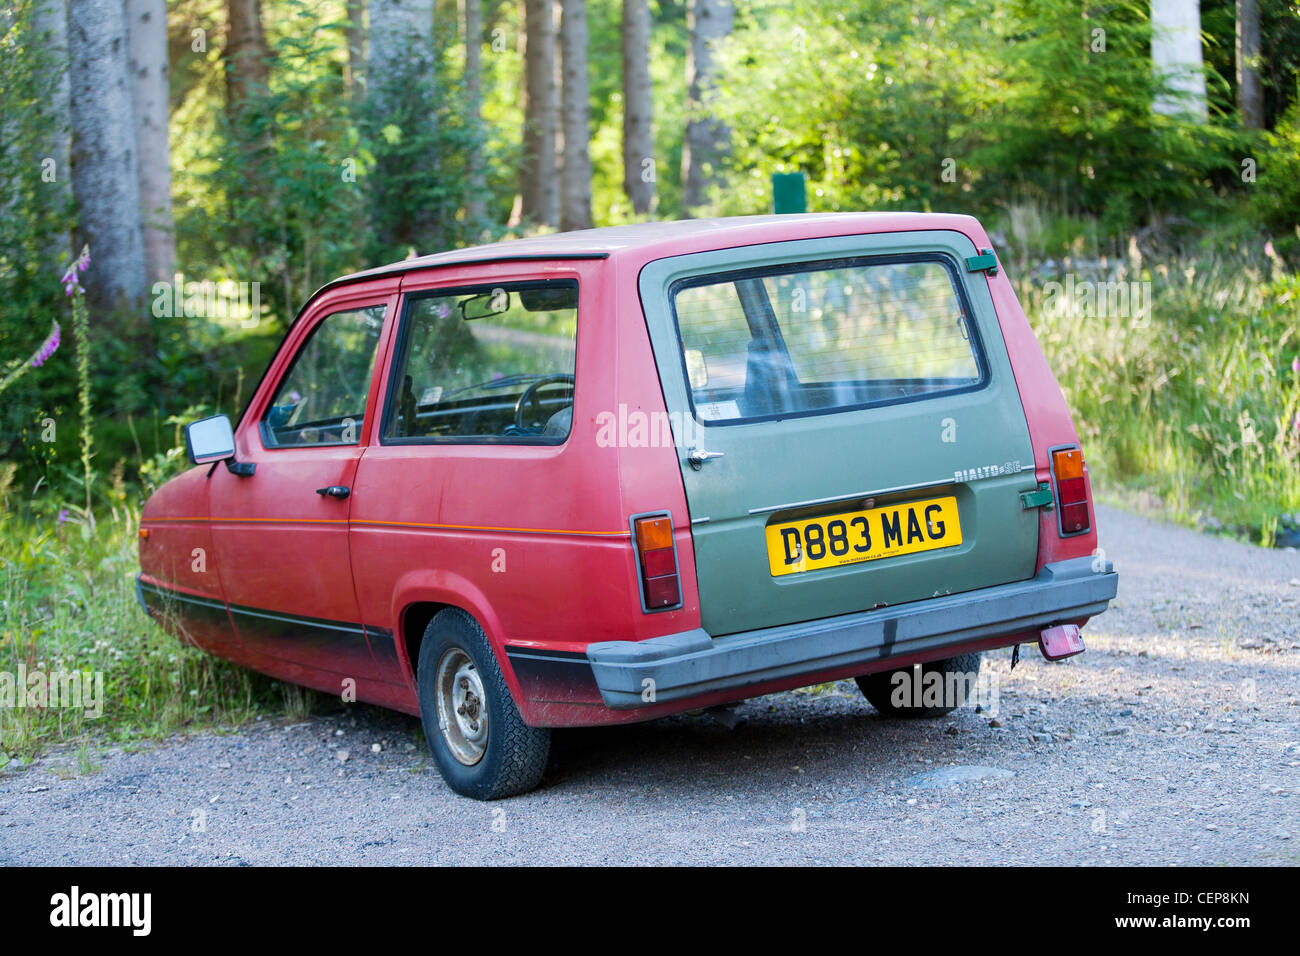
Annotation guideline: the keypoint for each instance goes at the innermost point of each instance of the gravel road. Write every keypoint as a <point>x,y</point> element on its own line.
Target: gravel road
<point>1174,740</point>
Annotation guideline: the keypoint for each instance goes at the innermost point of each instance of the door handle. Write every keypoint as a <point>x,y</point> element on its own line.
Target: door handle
<point>698,456</point>
<point>335,491</point>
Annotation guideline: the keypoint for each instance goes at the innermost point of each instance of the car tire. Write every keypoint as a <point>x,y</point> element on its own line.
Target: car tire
<point>478,737</point>
<point>879,688</point>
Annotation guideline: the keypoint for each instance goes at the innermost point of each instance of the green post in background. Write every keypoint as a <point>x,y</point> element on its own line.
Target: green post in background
<point>789,192</point>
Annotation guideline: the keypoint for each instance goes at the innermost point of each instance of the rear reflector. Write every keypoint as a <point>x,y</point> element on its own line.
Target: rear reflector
<point>1060,642</point>
<point>1071,490</point>
<point>656,562</point>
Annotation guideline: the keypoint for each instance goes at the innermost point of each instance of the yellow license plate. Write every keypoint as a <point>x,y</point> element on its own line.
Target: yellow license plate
<point>849,537</point>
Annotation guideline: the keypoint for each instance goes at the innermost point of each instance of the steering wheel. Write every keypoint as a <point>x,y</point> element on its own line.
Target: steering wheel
<point>529,397</point>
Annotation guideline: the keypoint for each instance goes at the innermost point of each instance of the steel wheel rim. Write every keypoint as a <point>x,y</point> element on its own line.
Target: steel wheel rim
<point>462,707</point>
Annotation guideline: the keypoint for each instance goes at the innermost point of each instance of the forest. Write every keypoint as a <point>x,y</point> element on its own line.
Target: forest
<point>180,175</point>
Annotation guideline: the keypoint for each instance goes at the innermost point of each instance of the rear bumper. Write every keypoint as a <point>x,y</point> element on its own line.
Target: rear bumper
<point>691,664</point>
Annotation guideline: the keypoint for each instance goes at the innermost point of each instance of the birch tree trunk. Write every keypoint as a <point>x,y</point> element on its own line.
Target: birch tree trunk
<point>1250,97</point>
<point>638,108</point>
<point>50,23</point>
<point>538,183</point>
<point>105,170</point>
<point>575,207</point>
<point>147,42</point>
<point>1177,57</point>
<point>706,141</point>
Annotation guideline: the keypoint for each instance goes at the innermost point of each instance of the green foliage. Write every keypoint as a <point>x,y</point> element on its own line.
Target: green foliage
<point>1074,125</point>
<point>1197,403</point>
<point>1275,196</point>
<point>35,223</point>
<point>280,177</point>
<point>889,105</point>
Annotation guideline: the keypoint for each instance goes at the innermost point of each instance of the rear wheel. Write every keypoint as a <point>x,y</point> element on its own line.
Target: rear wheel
<point>912,692</point>
<point>479,740</point>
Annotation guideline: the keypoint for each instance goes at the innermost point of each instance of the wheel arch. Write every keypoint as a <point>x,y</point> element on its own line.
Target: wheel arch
<point>420,595</point>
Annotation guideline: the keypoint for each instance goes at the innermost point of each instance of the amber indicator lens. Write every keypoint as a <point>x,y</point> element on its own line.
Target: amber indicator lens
<point>654,533</point>
<point>1067,463</point>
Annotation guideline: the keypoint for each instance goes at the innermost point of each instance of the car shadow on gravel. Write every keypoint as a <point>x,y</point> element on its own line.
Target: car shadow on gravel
<point>684,752</point>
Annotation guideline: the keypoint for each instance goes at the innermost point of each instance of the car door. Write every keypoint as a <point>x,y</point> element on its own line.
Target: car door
<point>857,438</point>
<point>281,531</point>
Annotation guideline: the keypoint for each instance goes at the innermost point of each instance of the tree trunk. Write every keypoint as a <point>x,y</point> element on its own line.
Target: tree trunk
<point>638,108</point>
<point>537,167</point>
<point>147,32</point>
<point>247,55</point>
<point>354,35</point>
<point>1250,96</point>
<point>400,90</point>
<point>476,201</point>
<point>575,212</point>
<point>558,60</point>
<point>1177,57</point>
<point>105,172</point>
<point>50,23</point>
<point>706,141</point>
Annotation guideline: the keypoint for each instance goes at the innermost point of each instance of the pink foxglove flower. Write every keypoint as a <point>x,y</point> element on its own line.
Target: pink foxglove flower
<point>48,347</point>
<point>78,266</point>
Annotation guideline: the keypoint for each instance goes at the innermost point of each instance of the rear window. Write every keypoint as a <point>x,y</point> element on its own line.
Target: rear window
<point>824,336</point>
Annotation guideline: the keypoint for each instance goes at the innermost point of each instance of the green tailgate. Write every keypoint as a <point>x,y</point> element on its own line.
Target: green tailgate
<point>804,460</point>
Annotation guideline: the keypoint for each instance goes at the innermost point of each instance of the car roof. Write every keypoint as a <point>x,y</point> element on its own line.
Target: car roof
<point>651,240</point>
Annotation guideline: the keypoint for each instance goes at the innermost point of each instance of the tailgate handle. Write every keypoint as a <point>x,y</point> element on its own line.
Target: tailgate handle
<point>698,456</point>
<point>1040,497</point>
<point>986,261</point>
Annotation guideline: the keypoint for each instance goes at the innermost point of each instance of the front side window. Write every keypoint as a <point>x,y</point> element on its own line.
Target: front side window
<point>322,399</point>
<point>487,364</point>
<point>816,337</point>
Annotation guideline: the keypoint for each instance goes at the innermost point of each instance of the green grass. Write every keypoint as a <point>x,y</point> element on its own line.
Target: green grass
<point>1196,406</point>
<point>67,602</point>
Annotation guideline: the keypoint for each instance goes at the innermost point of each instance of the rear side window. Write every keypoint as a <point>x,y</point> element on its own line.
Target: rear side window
<point>486,364</point>
<point>824,336</point>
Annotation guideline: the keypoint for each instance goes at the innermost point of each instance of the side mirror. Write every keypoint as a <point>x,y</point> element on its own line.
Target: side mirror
<point>209,440</point>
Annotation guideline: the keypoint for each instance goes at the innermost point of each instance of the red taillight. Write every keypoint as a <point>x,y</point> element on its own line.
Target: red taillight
<point>1071,490</point>
<point>656,564</point>
<point>652,537</point>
